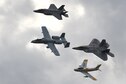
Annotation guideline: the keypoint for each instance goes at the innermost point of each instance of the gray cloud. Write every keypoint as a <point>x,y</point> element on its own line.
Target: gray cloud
<point>20,65</point>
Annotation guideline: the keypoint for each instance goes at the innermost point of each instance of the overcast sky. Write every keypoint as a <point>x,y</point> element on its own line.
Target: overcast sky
<point>22,62</point>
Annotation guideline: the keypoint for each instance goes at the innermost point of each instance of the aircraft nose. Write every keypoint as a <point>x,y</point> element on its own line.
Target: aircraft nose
<point>75,69</point>
<point>39,11</point>
<point>79,48</point>
<point>35,11</point>
<point>33,41</point>
<point>76,48</point>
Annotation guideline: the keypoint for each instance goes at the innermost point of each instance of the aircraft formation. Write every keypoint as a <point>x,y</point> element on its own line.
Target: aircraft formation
<point>100,49</point>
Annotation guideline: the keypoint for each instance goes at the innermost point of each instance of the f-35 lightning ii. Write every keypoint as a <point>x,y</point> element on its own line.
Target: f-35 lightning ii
<point>51,41</point>
<point>100,49</point>
<point>53,10</point>
<point>83,69</point>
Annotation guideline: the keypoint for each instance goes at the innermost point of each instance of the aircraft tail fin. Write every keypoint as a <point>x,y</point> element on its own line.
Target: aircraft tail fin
<point>64,11</point>
<point>66,44</point>
<point>62,8</point>
<point>62,35</point>
<point>98,66</point>
<point>104,44</point>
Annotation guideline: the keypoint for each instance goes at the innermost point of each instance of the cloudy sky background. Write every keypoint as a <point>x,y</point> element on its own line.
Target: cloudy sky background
<point>24,63</point>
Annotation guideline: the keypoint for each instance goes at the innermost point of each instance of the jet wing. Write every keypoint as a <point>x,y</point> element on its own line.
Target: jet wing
<point>94,42</point>
<point>89,75</point>
<point>101,55</point>
<point>58,16</point>
<point>84,64</point>
<point>52,6</point>
<point>45,32</point>
<point>53,49</point>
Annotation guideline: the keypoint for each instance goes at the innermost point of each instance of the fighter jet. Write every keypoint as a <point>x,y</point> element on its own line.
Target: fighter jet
<point>53,10</point>
<point>83,69</point>
<point>51,41</point>
<point>100,49</point>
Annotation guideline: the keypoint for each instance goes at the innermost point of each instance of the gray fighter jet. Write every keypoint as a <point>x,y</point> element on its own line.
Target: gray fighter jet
<point>83,69</point>
<point>53,10</point>
<point>51,41</point>
<point>100,49</point>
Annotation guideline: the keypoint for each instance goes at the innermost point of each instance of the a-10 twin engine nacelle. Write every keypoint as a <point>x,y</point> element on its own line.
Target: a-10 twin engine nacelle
<point>56,37</point>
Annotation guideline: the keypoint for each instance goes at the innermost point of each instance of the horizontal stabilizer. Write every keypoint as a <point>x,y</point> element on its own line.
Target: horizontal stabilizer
<point>66,15</point>
<point>67,44</point>
<point>111,54</point>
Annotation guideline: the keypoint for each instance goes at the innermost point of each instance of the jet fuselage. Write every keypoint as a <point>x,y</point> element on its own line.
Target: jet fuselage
<point>50,12</point>
<point>46,41</point>
<point>89,49</point>
<point>85,70</point>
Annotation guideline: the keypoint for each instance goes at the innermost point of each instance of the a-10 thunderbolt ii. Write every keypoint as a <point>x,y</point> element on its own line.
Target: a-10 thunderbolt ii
<point>83,69</point>
<point>51,41</point>
<point>100,49</point>
<point>53,10</point>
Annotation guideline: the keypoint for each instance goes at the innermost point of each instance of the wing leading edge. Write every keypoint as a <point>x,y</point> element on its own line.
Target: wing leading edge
<point>89,75</point>
<point>53,7</point>
<point>45,32</point>
<point>53,49</point>
<point>94,42</point>
<point>84,64</point>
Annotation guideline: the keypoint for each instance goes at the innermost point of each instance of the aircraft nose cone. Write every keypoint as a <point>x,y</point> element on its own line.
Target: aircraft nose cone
<point>35,11</point>
<point>75,48</point>
<point>75,70</point>
<point>33,41</point>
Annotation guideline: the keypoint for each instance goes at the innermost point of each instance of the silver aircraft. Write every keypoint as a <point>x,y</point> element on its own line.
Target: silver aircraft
<point>100,49</point>
<point>53,10</point>
<point>51,41</point>
<point>83,69</point>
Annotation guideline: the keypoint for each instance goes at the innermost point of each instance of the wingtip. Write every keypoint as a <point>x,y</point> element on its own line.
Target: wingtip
<point>94,79</point>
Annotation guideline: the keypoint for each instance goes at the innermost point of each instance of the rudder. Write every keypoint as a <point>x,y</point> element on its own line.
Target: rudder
<point>97,67</point>
<point>66,44</point>
<point>104,44</point>
<point>61,8</point>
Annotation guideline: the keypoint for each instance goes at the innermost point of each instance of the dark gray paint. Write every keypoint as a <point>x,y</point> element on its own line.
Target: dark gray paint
<point>103,19</point>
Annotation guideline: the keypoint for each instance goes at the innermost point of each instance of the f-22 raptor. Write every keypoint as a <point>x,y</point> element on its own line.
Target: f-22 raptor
<point>53,10</point>
<point>83,69</point>
<point>51,41</point>
<point>100,49</point>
